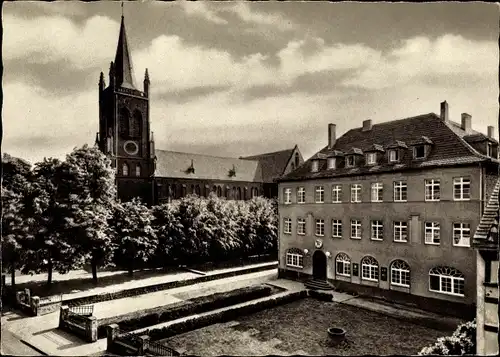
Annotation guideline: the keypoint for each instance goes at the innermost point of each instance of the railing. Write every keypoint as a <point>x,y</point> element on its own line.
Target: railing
<point>85,310</point>
<point>161,350</point>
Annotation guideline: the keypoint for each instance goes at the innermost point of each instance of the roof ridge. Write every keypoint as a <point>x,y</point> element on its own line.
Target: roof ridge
<point>196,154</point>
<point>270,153</point>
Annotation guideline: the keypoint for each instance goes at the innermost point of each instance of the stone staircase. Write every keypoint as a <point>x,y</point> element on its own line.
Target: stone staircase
<point>315,284</point>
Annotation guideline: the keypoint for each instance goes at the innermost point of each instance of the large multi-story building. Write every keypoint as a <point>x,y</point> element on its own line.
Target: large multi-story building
<point>389,210</point>
<point>159,175</point>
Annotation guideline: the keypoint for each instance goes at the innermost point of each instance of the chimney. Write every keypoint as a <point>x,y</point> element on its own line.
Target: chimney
<point>491,131</point>
<point>444,111</point>
<point>332,135</point>
<point>466,122</point>
<point>367,125</point>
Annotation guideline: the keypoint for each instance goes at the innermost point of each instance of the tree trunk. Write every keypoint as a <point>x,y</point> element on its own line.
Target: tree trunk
<point>93,262</point>
<point>13,277</point>
<point>131,268</point>
<point>49,271</point>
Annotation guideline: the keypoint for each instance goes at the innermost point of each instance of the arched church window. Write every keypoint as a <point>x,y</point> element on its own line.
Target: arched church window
<point>136,124</point>
<point>138,170</point>
<point>124,122</point>
<point>125,169</point>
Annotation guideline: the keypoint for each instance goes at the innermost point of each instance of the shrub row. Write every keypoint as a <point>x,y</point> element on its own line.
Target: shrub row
<point>185,308</point>
<point>320,295</point>
<point>222,316</point>
<point>93,299</point>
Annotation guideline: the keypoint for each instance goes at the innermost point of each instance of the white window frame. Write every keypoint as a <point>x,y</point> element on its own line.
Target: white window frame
<point>371,158</point>
<point>461,183</point>
<point>331,163</point>
<point>356,193</point>
<point>398,269</point>
<point>431,229</point>
<point>125,169</point>
<point>399,228</point>
<point>294,260</point>
<point>315,166</point>
<point>489,149</point>
<point>347,161</point>
<point>137,170</point>
<point>432,190</point>
<point>346,264</point>
<point>372,268</point>
<point>393,155</point>
<point>301,226</point>
<point>319,194</point>
<point>377,192</point>
<point>356,227</point>
<point>336,228</point>
<point>337,193</point>
<point>415,152</point>
<point>301,195</point>
<point>463,232</point>
<point>287,225</point>
<point>376,226</point>
<point>455,278</point>
<point>400,187</point>
<point>287,196</point>
<point>320,228</point>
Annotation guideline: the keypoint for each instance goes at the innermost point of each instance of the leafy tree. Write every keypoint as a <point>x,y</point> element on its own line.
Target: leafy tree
<point>165,224</point>
<point>92,196</point>
<point>462,342</point>
<point>134,234</point>
<point>16,173</point>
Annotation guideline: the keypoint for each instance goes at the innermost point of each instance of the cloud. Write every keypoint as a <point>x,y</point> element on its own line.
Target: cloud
<point>245,13</point>
<point>420,58</point>
<point>54,38</point>
<point>201,9</point>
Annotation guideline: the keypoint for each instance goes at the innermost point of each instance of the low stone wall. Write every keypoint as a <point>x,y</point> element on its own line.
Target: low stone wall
<point>84,326</point>
<point>34,305</point>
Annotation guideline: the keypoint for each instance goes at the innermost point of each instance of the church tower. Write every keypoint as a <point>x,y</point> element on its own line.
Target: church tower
<point>124,127</point>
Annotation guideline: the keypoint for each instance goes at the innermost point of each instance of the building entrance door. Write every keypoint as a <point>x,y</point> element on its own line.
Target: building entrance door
<point>319,265</point>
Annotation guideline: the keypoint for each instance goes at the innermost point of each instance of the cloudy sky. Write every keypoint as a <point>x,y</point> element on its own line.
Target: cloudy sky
<point>240,78</point>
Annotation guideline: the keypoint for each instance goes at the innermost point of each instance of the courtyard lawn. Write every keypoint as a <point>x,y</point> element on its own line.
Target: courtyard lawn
<point>300,328</point>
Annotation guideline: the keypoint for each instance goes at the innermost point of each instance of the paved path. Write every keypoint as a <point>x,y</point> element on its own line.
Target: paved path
<point>12,345</point>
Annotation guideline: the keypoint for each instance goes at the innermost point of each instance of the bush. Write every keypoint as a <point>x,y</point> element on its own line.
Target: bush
<point>320,295</point>
<point>462,342</point>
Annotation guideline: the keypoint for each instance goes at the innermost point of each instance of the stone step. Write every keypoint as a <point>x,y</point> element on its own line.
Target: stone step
<point>318,285</point>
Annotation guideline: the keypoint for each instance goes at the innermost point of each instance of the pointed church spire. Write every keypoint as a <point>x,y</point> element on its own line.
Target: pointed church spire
<point>123,61</point>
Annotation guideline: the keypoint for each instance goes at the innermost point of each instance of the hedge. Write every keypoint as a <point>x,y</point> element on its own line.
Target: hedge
<point>320,295</point>
<point>93,299</point>
<point>185,308</point>
<point>222,316</point>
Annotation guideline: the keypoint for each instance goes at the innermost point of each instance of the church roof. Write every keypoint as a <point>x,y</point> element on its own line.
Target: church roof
<point>123,61</point>
<point>272,164</point>
<point>175,165</point>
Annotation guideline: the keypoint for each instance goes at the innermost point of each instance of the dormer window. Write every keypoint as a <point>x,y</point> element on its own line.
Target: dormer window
<point>331,163</point>
<point>489,149</point>
<point>315,166</point>
<point>350,161</point>
<point>371,158</point>
<point>419,152</point>
<point>393,155</point>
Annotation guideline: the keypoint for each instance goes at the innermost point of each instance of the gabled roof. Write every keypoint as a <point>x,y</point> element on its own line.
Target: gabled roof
<point>422,140</point>
<point>174,164</point>
<point>272,164</point>
<point>397,144</point>
<point>354,151</point>
<point>123,61</point>
<point>375,147</point>
<point>449,147</point>
<point>335,153</point>
<point>486,235</point>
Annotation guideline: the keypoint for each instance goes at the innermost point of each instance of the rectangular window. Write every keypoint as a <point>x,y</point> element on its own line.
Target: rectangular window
<point>301,226</point>
<point>343,267</point>
<point>288,195</point>
<point>419,152</point>
<point>301,195</point>
<point>355,229</point>
<point>287,225</point>
<point>337,194</point>
<point>400,231</point>
<point>356,193</point>
<point>349,161</point>
<point>461,234</point>
<point>461,189</point>
<point>294,260</point>
<point>336,228</point>
<point>377,191</point>
<point>432,233</point>
<point>369,272</point>
<point>315,166</point>
<point>331,163</point>
<point>393,155</point>
<point>489,150</point>
<point>319,194</point>
<point>371,158</point>
<point>432,190</point>
<point>400,191</point>
<point>320,227</point>
<point>377,230</point>
<point>400,277</point>
<point>446,284</point>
